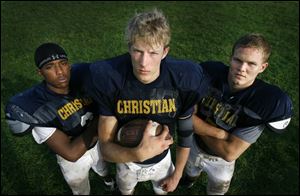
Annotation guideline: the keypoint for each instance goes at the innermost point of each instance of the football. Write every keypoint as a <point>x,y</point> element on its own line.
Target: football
<point>131,134</point>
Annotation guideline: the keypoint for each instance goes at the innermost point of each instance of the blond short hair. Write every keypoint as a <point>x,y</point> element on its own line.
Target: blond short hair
<point>151,27</point>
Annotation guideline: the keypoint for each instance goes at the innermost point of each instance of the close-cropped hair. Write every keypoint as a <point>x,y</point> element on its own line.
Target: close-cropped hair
<point>254,40</point>
<point>151,27</point>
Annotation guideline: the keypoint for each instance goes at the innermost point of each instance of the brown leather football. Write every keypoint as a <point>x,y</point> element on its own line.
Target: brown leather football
<point>131,134</point>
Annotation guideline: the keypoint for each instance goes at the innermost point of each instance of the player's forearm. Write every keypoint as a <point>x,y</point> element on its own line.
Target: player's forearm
<point>203,128</point>
<point>113,152</point>
<point>72,152</point>
<point>73,148</point>
<point>221,148</point>
<point>90,135</point>
<point>170,183</point>
<point>68,148</point>
<point>229,149</point>
<point>182,155</point>
<point>81,144</point>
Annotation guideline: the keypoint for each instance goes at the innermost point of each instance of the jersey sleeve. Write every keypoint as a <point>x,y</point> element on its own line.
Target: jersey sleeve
<point>17,126</point>
<point>278,109</point>
<point>104,102</point>
<point>19,121</point>
<point>41,134</point>
<point>249,134</point>
<point>105,81</point>
<point>193,89</point>
<point>185,132</point>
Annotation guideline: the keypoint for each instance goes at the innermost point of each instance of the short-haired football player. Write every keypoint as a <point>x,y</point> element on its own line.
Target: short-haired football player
<point>58,114</point>
<point>239,103</point>
<point>146,83</point>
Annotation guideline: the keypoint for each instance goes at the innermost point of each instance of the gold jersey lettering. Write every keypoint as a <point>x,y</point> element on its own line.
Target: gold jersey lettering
<point>220,111</point>
<point>141,106</point>
<point>126,105</point>
<point>62,114</point>
<point>72,107</point>
<point>156,106</point>
<point>119,107</point>
<point>225,116</point>
<point>172,105</point>
<point>135,107</point>
<point>77,104</point>
<point>165,106</point>
<point>152,105</point>
<point>146,106</point>
<point>232,120</point>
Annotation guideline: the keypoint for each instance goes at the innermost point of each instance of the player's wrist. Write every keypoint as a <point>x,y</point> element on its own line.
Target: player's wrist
<point>138,154</point>
<point>177,174</point>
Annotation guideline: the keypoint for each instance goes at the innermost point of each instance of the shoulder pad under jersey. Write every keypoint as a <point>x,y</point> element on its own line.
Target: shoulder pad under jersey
<point>278,107</point>
<point>18,120</point>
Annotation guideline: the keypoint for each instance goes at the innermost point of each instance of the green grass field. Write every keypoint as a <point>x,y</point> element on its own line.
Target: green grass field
<point>201,31</point>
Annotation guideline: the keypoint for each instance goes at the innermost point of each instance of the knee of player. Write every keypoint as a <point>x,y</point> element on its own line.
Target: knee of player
<point>75,181</point>
<point>218,187</point>
<point>223,178</point>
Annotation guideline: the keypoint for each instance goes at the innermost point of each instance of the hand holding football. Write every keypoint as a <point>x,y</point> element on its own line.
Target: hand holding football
<point>131,134</point>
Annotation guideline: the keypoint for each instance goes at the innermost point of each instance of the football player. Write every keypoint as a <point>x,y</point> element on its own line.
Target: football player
<point>58,114</point>
<point>240,104</point>
<point>146,83</point>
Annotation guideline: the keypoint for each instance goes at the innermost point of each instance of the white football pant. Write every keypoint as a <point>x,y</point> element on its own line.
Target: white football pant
<point>129,174</point>
<point>218,170</point>
<point>76,173</point>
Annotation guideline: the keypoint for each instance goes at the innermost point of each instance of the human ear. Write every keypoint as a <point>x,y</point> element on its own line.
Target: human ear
<point>38,71</point>
<point>165,52</point>
<point>264,66</point>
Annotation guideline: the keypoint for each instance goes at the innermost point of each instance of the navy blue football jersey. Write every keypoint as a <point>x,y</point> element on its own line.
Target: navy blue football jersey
<point>244,113</point>
<point>40,107</point>
<point>171,96</point>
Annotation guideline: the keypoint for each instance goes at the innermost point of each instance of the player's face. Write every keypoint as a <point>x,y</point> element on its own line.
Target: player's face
<point>57,75</point>
<point>246,64</point>
<point>146,60</point>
